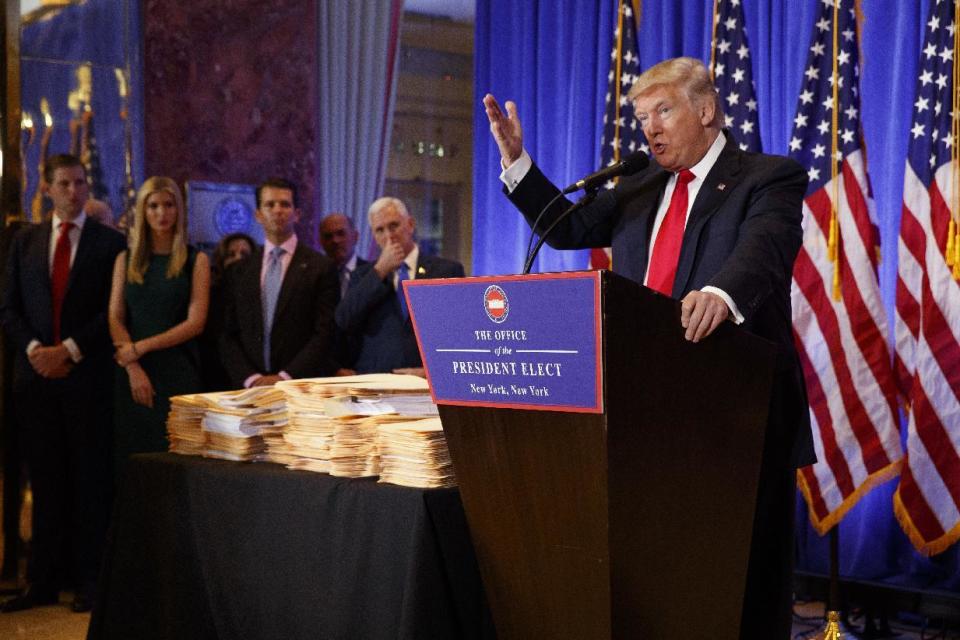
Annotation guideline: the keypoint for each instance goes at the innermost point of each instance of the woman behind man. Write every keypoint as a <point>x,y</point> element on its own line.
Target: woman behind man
<point>230,250</point>
<point>158,305</point>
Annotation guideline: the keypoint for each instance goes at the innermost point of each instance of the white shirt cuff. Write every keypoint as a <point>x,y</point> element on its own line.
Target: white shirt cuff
<point>285,375</point>
<point>33,345</point>
<point>74,350</point>
<point>737,316</point>
<point>512,175</point>
<point>249,381</point>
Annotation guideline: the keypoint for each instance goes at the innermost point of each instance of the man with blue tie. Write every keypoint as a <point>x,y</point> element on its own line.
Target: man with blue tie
<point>55,316</point>
<point>278,320</point>
<point>374,310</point>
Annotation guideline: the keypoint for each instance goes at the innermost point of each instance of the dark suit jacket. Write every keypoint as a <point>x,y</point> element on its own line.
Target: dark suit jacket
<point>301,341</point>
<point>742,236</point>
<point>28,305</point>
<point>370,313</point>
<point>346,346</point>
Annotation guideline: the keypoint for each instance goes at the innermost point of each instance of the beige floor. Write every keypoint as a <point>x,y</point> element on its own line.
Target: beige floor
<point>55,622</point>
<point>45,623</point>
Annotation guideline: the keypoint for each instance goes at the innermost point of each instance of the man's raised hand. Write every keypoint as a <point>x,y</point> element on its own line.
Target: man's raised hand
<point>505,129</point>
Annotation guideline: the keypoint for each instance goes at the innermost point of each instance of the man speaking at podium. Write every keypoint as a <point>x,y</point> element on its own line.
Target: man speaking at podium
<point>719,229</point>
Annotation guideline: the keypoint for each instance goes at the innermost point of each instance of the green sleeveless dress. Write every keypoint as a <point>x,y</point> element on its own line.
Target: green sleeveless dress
<point>151,308</point>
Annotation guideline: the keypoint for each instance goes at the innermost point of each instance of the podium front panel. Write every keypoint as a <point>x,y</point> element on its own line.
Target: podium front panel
<point>527,342</point>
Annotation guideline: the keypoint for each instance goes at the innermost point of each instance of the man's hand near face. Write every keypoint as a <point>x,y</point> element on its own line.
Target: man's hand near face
<point>390,258</point>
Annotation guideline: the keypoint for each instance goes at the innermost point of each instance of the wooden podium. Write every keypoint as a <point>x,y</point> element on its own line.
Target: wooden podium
<point>634,522</point>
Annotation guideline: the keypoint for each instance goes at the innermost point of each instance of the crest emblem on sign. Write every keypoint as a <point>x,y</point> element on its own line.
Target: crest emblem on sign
<point>495,303</point>
<point>233,215</point>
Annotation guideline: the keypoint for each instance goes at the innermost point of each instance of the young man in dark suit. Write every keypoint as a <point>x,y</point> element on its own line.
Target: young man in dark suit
<point>278,320</point>
<point>55,314</point>
<point>373,311</point>
<point>338,237</point>
<point>719,229</point>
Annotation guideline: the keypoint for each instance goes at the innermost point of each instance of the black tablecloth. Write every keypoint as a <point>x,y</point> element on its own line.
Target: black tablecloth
<point>210,549</point>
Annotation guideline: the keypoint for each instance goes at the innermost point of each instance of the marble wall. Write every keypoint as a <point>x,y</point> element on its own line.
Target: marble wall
<point>230,93</point>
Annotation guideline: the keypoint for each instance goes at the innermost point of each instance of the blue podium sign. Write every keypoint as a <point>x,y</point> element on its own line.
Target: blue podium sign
<point>522,342</point>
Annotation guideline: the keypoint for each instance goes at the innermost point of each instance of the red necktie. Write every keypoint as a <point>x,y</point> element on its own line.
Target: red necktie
<point>61,273</point>
<point>666,249</point>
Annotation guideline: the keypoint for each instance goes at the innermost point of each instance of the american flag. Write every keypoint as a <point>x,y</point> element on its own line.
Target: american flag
<point>839,320</point>
<point>621,131</point>
<point>733,75</point>
<point>927,502</point>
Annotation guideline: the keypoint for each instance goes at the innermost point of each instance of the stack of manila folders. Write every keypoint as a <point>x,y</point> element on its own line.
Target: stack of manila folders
<point>354,426</point>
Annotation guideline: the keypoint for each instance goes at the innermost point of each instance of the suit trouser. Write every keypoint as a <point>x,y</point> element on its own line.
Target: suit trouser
<point>768,601</point>
<point>12,476</point>
<point>65,433</point>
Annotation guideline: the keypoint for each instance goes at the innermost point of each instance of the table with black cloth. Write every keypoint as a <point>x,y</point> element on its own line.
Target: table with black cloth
<point>211,549</point>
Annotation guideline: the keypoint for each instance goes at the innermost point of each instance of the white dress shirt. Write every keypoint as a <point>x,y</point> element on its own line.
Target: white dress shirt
<point>346,272</point>
<point>74,234</point>
<point>75,231</point>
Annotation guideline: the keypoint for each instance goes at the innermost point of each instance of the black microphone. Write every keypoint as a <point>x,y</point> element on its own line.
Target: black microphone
<point>636,161</point>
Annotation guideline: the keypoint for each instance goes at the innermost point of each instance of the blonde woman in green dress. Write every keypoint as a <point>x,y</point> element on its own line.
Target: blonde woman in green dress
<point>158,306</point>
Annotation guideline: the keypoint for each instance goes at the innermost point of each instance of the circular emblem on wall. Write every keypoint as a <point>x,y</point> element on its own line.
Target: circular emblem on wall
<point>233,215</point>
<point>495,303</point>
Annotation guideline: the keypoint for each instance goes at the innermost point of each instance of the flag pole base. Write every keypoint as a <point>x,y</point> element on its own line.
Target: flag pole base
<point>833,630</point>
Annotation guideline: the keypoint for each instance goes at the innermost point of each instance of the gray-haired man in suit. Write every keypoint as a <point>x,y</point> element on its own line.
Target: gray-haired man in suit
<point>373,311</point>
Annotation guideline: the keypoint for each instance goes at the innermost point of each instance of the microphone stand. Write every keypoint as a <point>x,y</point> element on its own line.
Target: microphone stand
<point>579,204</point>
<point>533,227</point>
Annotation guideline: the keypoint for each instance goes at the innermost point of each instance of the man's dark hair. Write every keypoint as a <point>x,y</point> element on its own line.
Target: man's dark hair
<point>278,183</point>
<point>60,161</point>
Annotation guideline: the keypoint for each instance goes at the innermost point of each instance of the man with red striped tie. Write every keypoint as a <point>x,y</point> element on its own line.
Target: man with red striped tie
<point>719,229</point>
<point>55,315</point>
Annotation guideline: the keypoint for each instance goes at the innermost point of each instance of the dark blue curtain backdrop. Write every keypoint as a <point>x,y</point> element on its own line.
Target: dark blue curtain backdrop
<point>552,58</point>
<point>105,34</point>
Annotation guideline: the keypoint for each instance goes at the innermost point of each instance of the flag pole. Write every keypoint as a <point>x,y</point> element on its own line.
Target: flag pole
<point>834,628</point>
<point>833,241</point>
<point>952,249</point>
<point>616,116</point>
<point>713,39</point>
